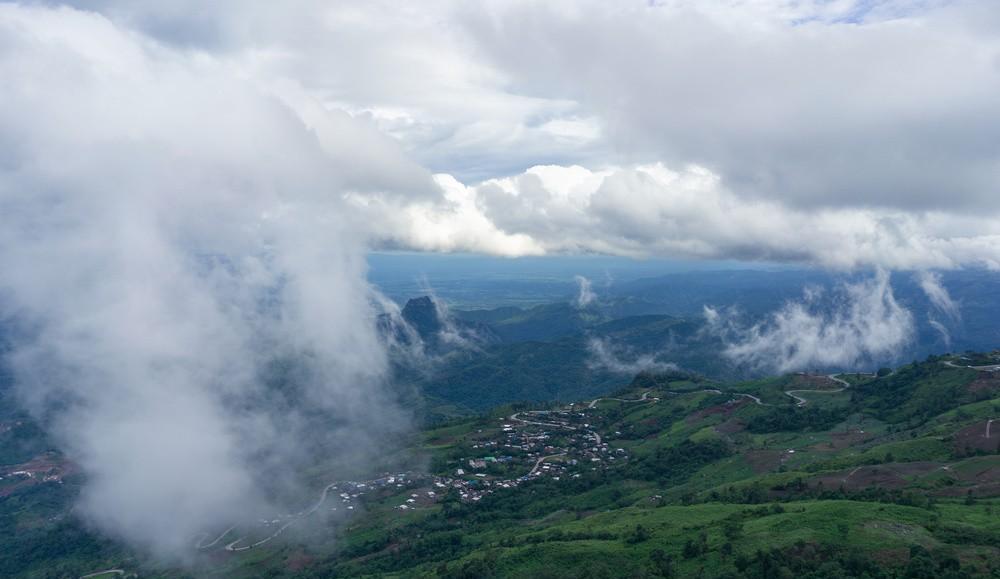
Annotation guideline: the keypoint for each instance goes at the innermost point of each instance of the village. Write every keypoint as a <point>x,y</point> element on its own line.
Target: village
<point>529,445</point>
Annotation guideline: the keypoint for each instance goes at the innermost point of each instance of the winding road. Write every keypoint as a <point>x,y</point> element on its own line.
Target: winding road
<point>233,545</point>
<point>643,398</point>
<point>988,368</point>
<point>514,418</point>
<point>800,401</point>
<point>538,463</point>
<point>202,547</point>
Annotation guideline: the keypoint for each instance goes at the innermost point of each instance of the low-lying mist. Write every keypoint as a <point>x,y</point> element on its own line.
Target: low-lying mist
<point>188,299</point>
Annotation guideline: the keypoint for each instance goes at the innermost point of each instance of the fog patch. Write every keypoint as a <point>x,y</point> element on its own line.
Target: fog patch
<point>191,317</point>
<point>604,355</point>
<point>856,325</point>
<point>585,292</point>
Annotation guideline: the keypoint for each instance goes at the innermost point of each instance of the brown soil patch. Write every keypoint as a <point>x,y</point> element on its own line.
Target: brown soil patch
<point>731,426</point>
<point>894,557</point>
<point>985,382</point>
<point>842,440</point>
<point>762,461</point>
<point>980,490</point>
<point>815,382</point>
<point>913,469</point>
<point>44,468</point>
<point>725,410</point>
<point>973,438</point>
<point>861,478</point>
<point>298,561</point>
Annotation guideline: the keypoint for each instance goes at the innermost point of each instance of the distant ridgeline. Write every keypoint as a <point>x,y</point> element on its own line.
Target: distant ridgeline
<point>482,358</point>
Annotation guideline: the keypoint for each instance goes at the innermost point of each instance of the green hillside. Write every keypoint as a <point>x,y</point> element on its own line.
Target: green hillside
<point>673,476</point>
<point>564,369</point>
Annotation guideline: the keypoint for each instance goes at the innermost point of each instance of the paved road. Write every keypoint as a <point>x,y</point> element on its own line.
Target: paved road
<point>233,546</point>
<point>538,463</point>
<point>514,418</point>
<point>643,398</point>
<point>850,474</point>
<point>201,546</point>
<point>107,572</point>
<point>989,368</point>
<point>840,380</point>
<point>800,401</point>
<point>751,397</point>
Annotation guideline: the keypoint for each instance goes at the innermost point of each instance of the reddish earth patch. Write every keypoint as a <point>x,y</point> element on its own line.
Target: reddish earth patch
<point>726,410</point>
<point>900,556</point>
<point>973,438</point>
<point>762,461</point>
<point>731,426</point>
<point>979,490</point>
<point>985,382</point>
<point>842,440</point>
<point>883,476</point>
<point>815,382</point>
<point>911,469</point>
<point>44,468</point>
<point>298,561</point>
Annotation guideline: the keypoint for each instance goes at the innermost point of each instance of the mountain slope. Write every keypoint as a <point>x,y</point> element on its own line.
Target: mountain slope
<point>796,475</point>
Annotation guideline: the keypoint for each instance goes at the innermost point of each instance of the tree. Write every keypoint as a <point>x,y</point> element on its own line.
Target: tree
<point>663,564</point>
<point>638,535</point>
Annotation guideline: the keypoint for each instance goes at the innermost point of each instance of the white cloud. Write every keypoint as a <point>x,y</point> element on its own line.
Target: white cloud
<point>651,210</point>
<point>861,325</point>
<point>846,104</point>
<point>930,283</point>
<point>620,360</point>
<point>941,329</point>
<point>711,130</point>
<point>585,293</point>
<point>173,237</point>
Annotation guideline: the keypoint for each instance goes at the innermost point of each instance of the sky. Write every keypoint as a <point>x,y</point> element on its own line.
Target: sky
<point>189,191</point>
<point>842,134</point>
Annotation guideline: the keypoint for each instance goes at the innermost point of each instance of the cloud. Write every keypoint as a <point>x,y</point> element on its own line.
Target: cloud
<point>605,355</point>
<point>585,294</point>
<point>930,283</point>
<point>187,191</point>
<point>942,302</point>
<point>188,292</point>
<point>678,128</point>
<point>752,91</point>
<point>650,210</point>
<point>861,325</point>
<point>755,91</point>
<point>941,329</point>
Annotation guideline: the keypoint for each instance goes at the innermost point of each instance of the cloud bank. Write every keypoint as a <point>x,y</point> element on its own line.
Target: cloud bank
<point>651,210</point>
<point>709,130</point>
